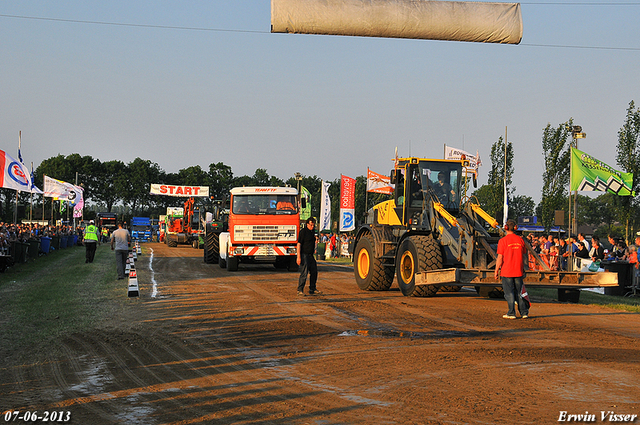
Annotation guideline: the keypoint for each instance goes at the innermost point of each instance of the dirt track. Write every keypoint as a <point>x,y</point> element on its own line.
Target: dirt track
<point>221,347</point>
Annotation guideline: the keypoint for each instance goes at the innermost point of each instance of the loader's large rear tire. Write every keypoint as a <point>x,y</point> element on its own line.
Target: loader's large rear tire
<point>371,274</point>
<point>211,248</point>
<point>417,254</point>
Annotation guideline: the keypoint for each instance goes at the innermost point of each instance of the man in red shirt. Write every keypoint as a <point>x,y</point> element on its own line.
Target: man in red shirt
<point>510,267</point>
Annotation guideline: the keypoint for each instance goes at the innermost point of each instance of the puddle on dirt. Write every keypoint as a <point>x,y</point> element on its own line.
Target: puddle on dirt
<point>95,376</point>
<point>136,412</point>
<point>154,284</point>
<point>402,334</point>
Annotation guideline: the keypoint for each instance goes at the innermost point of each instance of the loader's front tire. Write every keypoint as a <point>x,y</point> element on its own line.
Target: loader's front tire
<point>371,273</point>
<point>417,254</point>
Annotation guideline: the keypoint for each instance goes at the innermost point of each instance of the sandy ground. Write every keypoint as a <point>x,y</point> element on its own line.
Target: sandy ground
<point>241,347</point>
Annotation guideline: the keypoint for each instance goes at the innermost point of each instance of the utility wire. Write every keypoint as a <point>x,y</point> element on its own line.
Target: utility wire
<point>121,24</point>
<point>173,27</point>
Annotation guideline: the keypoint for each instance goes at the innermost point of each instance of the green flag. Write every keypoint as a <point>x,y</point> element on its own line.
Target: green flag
<point>588,173</point>
<point>305,212</point>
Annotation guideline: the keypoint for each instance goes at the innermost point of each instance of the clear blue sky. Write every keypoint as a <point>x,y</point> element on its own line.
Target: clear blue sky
<point>227,90</point>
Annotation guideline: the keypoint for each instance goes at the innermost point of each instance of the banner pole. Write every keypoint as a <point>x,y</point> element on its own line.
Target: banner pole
<point>366,196</point>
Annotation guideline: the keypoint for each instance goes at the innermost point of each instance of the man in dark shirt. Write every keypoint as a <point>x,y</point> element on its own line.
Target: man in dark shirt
<point>306,247</point>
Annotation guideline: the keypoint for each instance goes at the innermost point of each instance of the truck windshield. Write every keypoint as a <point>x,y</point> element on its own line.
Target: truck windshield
<point>265,204</point>
<point>443,181</point>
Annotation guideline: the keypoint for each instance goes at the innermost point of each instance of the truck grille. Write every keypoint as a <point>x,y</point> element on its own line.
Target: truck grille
<point>264,233</point>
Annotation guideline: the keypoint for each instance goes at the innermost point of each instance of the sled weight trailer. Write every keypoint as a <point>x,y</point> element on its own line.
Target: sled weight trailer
<point>431,237</point>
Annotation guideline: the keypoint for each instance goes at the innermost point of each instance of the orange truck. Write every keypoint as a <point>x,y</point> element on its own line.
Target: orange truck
<point>263,228</point>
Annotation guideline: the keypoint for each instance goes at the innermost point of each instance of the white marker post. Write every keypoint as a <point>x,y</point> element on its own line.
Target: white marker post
<point>133,290</point>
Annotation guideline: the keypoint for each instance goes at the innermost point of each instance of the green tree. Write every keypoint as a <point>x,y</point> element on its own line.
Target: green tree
<point>521,205</point>
<point>140,173</point>
<point>555,178</point>
<point>110,183</point>
<point>490,196</point>
<point>628,157</point>
<point>220,180</point>
<point>193,176</point>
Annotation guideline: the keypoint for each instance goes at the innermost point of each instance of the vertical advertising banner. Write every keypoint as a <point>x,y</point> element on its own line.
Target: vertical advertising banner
<point>325,208</point>
<point>347,203</point>
<point>305,212</point>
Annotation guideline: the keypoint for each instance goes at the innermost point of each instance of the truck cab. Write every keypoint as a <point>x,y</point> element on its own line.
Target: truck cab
<point>263,226</point>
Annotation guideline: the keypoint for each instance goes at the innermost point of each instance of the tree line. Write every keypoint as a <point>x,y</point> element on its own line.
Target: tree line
<point>125,186</point>
<point>115,185</point>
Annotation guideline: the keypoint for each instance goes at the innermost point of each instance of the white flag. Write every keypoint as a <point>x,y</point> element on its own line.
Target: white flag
<point>474,160</point>
<point>325,208</point>
<point>15,175</point>
<point>62,190</point>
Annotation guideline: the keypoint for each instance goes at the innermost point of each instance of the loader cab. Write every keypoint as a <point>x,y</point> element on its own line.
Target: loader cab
<point>421,181</point>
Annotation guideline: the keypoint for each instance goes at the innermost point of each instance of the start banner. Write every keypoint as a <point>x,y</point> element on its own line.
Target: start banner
<point>173,190</point>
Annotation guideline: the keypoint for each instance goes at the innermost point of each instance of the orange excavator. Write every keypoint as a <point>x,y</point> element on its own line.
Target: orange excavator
<point>184,227</point>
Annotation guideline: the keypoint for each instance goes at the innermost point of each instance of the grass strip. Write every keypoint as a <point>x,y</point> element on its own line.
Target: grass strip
<point>54,296</point>
<point>629,304</point>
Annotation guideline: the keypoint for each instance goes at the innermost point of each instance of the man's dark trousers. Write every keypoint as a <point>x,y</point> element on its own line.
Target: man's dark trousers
<point>90,247</point>
<point>309,267</point>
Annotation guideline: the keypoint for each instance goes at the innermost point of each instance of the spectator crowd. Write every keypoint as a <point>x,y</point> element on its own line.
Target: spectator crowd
<point>24,233</point>
<point>556,252</point>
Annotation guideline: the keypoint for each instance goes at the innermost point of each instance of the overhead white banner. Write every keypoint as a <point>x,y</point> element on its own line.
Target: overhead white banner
<point>487,22</point>
<point>173,190</point>
<point>325,208</point>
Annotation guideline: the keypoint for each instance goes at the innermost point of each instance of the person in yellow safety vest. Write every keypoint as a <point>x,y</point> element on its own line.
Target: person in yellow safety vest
<point>105,234</point>
<point>90,241</point>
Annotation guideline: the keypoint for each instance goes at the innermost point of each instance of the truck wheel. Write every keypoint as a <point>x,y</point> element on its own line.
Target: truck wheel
<point>195,244</point>
<point>232,264</point>
<point>211,248</point>
<point>281,262</point>
<point>293,265</point>
<point>371,274</point>
<point>417,254</point>
<point>222,262</point>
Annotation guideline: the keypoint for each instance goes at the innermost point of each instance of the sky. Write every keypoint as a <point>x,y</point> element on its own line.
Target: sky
<point>185,83</point>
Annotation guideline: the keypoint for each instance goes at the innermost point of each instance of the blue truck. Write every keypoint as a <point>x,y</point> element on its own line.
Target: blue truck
<point>141,229</point>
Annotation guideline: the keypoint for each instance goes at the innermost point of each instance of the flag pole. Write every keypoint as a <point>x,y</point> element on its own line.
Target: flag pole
<point>366,196</point>
<point>31,198</point>
<point>506,204</point>
<point>15,210</point>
